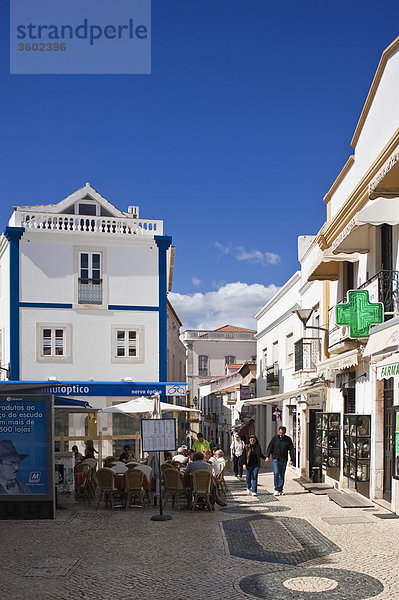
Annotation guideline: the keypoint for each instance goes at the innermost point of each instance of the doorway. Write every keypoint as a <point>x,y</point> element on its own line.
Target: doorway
<point>388,437</point>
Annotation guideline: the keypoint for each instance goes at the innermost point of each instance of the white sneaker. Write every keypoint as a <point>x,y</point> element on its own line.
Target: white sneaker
<point>281,493</point>
<point>276,493</point>
<point>249,492</point>
<point>254,494</point>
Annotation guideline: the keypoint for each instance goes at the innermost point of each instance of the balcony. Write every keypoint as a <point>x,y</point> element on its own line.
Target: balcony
<point>86,225</point>
<point>383,287</point>
<point>307,354</point>
<point>90,291</point>
<point>271,375</point>
<point>197,334</point>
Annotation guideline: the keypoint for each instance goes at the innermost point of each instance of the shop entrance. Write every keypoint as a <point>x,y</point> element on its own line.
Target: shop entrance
<point>388,437</point>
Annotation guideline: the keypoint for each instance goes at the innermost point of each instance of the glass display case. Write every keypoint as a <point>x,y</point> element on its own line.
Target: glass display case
<point>357,447</point>
<point>328,439</point>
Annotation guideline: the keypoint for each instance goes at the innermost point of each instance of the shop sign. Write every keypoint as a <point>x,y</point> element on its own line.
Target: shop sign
<point>316,398</point>
<point>359,313</point>
<point>387,371</point>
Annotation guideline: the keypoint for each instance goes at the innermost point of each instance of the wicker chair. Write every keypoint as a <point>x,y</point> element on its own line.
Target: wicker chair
<point>202,481</point>
<point>134,487</point>
<point>85,490</point>
<point>174,487</point>
<point>166,466</point>
<point>106,483</point>
<point>109,461</point>
<point>220,481</point>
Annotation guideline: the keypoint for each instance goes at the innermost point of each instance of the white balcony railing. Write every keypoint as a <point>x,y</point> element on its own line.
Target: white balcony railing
<point>215,335</point>
<point>84,224</point>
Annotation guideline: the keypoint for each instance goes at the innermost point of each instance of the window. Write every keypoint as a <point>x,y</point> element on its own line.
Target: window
<point>230,360</point>
<point>127,343</point>
<point>203,365</point>
<point>53,342</point>
<point>87,209</point>
<point>90,283</point>
<point>275,352</point>
<point>264,358</point>
<point>289,342</point>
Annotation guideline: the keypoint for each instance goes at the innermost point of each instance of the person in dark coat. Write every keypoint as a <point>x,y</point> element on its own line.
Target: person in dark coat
<point>278,448</point>
<point>251,464</point>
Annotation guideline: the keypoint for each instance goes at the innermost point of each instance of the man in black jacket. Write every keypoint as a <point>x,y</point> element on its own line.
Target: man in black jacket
<point>279,447</point>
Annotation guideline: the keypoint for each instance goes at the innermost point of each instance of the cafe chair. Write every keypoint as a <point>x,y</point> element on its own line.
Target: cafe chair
<point>202,480</point>
<point>165,466</point>
<point>106,484</point>
<point>134,487</point>
<point>85,488</point>
<point>174,487</point>
<point>220,481</point>
<point>132,465</point>
<point>109,461</point>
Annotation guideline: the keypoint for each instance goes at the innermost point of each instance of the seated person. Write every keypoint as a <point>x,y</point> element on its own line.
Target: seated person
<point>181,455</point>
<point>217,462</point>
<point>168,457</point>
<point>199,464</point>
<point>190,455</point>
<point>89,454</point>
<point>127,455</point>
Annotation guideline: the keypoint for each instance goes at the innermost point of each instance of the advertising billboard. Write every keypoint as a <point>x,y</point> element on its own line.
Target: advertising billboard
<point>26,448</point>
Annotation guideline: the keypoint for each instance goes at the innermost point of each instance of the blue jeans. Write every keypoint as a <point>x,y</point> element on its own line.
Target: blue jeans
<point>279,467</point>
<point>252,479</point>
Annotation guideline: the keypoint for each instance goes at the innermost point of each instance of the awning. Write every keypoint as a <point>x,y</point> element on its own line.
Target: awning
<point>280,397</point>
<point>326,267</point>
<point>386,183</point>
<point>345,360</point>
<point>72,405</point>
<point>356,235</point>
<point>383,338</point>
<point>389,367</point>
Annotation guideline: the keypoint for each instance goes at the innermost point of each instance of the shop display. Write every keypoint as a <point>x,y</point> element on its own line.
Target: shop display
<point>396,448</point>
<point>328,439</point>
<point>357,447</point>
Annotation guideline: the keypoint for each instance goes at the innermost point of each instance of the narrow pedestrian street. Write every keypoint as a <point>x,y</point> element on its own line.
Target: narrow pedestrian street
<point>299,545</point>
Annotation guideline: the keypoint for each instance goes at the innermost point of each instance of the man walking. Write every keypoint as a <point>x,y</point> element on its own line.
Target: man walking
<point>279,447</point>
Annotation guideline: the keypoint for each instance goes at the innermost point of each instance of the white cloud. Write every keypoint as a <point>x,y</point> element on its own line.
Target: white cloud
<point>223,250</point>
<point>256,256</point>
<point>195,281</point>
<point>234,304</point>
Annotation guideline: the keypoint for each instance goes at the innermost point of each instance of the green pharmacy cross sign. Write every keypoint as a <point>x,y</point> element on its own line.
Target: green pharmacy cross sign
<point>359,313</point>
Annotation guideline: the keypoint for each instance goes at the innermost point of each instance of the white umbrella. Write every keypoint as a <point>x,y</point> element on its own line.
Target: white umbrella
<point>142,405</point>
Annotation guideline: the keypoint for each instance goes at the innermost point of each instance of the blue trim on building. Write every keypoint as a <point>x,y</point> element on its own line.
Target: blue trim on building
<point>163,242</point>
<point>13,235</point>
<point>44,305</point>
<point>122,307</point>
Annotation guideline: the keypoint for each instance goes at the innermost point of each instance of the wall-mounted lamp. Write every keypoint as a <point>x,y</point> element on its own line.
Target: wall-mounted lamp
<point>304,315</point>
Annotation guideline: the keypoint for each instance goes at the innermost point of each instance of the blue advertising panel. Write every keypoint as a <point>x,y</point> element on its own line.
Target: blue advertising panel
<point>26,447</point>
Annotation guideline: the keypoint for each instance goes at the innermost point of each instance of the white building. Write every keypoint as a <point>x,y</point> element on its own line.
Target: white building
<point>84,300</point>
<point>353,434</point>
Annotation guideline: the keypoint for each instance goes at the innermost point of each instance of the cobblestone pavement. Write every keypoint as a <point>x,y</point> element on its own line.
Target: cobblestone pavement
<point>298,546</point>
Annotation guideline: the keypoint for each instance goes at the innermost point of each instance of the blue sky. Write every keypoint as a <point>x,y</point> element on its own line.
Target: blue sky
<point>233,139</point>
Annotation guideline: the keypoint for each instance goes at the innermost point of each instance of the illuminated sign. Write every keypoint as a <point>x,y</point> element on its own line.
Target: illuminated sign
<point>359,313</point>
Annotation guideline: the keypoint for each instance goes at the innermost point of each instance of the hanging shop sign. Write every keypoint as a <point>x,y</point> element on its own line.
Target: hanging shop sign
<point>359,313</point>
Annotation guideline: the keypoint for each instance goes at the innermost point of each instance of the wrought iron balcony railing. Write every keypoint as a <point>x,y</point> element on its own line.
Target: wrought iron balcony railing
<point>385,285</point>
<point>90,291</point>
<point>307,354</point>
<point>272,376</point>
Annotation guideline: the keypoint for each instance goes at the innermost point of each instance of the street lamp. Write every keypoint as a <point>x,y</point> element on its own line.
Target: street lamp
<point>304,315</point>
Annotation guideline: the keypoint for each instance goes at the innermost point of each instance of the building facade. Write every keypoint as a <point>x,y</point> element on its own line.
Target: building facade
<point>84,301</point>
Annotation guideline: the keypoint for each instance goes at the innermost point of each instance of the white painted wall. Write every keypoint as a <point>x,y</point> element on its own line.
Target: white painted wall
<point>380,124</point>
<point>91,345</point>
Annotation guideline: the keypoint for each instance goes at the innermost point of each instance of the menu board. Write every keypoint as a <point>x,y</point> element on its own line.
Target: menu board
<point>158,435</point>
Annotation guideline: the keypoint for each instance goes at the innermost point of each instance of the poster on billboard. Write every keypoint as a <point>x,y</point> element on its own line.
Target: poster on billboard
<point>26,447</point>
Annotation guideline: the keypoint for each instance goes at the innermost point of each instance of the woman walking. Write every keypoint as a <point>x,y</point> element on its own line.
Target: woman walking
<point>252,457</point>
<point>236,449</point>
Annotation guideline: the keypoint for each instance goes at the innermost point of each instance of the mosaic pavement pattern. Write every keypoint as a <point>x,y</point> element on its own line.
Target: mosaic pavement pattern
<point>305,584</point>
